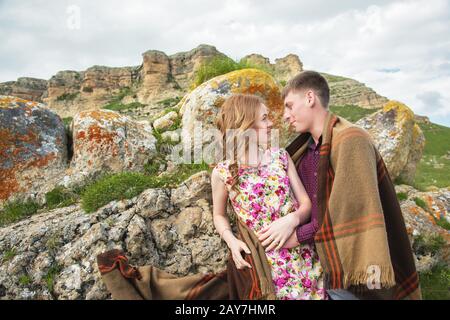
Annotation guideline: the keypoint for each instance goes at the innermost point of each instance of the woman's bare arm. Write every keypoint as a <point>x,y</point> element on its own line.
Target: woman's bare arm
<point>222,223</point>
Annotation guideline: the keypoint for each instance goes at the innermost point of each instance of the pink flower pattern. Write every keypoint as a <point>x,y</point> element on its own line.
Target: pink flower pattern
<point>265,195</point>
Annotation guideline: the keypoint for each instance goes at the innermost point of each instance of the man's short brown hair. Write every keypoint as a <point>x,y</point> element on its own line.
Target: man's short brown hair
<point>309,80</point>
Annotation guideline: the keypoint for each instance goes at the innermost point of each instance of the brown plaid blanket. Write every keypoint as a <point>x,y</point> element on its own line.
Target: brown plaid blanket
<point>362,239</point>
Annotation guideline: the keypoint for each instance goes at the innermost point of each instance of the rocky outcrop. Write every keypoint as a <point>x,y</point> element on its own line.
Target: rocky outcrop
<point>421,222</point>
<point>33,149</point>
<point>70,92</point>
<point>53,255</point>
<point>165,76</point>
<point>200,107</point>
<point>398,138</point>
<point>345,91</point>
<point>283,69</point>
<point>25,88</point>
<point>106,141</point>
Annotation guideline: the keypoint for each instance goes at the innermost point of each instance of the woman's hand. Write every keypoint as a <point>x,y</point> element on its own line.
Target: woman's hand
<point>291,242</point>
<point>278,232</point>
<point>236,247</point>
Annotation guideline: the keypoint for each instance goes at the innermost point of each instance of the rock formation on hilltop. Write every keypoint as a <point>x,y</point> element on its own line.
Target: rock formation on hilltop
<point>346,91</point>
<point>25,88</point>
<point>158,78</point>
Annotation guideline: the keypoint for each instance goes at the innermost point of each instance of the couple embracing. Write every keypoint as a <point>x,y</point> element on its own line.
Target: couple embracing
<point>318,219</point>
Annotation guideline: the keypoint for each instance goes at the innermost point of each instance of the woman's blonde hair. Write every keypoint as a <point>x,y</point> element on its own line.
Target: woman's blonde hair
<point>239,112</point>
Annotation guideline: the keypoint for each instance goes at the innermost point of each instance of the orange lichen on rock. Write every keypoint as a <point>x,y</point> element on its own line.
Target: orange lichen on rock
<point>99,115</point>
<point>9,183</point>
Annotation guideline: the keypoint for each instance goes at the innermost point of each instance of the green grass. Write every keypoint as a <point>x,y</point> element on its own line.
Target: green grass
<point>430,244</point>
<point>351,112</point>
<point>219,65</point>
<point>118,106</point>
<point>127,185</point>
<point>50,276</point>
<point>421,203</point>
<point>17,210</point>
<point>433,169</point>
<point>60,197</point>
<point>437,139</point>
<point>169,102</point>
<point>428,175</point>
<point>443,223</point>
<point>115,103</point>
<point>67,96</point>
<point>435,284</point>
<point>24,280</point>
<point>67,121</point>
<point>9,255</point>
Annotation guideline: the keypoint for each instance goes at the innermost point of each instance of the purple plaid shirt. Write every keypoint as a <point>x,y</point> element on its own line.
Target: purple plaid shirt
<point>308,170</point>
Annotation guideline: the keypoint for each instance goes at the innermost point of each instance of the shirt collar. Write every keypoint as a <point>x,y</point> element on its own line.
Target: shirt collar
<point>312,145</point>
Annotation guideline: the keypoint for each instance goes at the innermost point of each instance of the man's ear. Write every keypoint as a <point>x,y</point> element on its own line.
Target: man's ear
<point>310,98</point>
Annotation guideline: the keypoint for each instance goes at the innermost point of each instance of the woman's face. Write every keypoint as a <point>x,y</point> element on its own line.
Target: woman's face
<point>263,125</point>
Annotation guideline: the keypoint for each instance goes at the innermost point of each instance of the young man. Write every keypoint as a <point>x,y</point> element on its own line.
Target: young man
<point>356,221</point>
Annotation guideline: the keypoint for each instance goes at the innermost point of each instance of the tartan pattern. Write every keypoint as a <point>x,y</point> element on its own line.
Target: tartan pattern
<point>381,224</point>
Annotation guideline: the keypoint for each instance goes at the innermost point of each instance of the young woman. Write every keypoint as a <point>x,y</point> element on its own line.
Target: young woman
<point>263,186</point>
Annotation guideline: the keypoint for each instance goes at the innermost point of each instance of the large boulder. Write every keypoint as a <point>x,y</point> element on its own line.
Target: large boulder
<point>106,141</point>
<point>200,107</point>
<point>33,149</point>
<point>53,255</point>
<point>398,138</point>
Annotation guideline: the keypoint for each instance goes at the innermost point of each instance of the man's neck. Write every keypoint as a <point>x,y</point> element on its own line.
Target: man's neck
<point>318,126</point>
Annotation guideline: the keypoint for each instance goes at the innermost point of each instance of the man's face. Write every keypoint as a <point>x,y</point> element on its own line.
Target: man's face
<point>298,111</point>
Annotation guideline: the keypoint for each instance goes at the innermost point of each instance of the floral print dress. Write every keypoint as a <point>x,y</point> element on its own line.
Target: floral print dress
<point>265,195</point>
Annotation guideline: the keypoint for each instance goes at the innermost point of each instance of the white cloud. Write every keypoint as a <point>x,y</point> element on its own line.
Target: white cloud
<point>399,48</point>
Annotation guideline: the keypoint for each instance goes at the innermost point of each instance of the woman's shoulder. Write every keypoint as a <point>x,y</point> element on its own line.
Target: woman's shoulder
<point>279,153</point>
<point>222,168</point>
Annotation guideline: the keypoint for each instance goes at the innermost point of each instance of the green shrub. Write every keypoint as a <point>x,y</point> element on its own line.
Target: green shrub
<point>67,96</point>
<point>219,65</point>
<point>402,196</point>
<point>17,210</point>
<point>88,89</point>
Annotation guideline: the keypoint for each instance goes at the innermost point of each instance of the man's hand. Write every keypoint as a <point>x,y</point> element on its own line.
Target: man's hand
<point>275,235</point>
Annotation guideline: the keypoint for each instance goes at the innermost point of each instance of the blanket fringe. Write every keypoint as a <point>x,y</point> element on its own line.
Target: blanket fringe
<point>382,277</point>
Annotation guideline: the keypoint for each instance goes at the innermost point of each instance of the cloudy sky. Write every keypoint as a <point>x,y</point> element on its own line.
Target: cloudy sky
<point>399,48</point>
